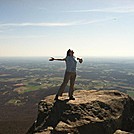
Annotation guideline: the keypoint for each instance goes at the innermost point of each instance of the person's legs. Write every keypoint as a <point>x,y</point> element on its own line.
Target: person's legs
<point>63,85</point>
<point>72,81</point>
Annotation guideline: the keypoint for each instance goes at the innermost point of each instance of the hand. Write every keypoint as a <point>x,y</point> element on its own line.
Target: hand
<point>80,60</point>
<point>51,59</point>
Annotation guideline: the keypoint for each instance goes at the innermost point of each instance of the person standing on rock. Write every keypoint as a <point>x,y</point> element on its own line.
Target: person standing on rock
<point>70,73</point>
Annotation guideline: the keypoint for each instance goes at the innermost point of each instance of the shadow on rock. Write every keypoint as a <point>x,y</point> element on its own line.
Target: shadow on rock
<point>48,116</point>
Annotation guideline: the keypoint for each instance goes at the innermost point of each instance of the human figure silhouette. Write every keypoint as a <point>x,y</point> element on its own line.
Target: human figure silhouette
<point>70,73</point>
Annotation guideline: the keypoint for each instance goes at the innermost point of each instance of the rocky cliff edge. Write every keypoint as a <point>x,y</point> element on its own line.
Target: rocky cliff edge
<point>92,112</point>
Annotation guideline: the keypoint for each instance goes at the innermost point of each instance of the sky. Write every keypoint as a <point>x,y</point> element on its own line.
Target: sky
<point>102,28</point>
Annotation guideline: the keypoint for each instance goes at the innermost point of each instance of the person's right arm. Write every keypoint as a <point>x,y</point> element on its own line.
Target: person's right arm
<point>52,59</point>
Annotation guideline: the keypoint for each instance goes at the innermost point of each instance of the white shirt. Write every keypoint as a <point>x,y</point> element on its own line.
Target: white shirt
<point>70,64</point>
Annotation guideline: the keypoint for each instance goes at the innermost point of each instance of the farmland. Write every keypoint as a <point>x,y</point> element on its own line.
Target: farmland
<point>25,81</point>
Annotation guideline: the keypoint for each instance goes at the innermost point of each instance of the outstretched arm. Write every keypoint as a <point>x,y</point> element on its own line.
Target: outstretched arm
<point>52,59</point>
<point>80,60</point>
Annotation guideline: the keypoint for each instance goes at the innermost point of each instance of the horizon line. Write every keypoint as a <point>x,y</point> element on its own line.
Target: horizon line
<point>63,56</point>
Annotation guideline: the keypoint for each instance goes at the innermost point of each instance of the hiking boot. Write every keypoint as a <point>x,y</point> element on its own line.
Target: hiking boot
<point>71,98</point>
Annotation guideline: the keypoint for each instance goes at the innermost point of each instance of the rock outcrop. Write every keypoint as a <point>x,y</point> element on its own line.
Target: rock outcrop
<point>92,112</point>
<point>123,132</point>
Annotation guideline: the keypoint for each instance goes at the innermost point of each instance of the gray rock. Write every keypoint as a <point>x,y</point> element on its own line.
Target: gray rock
<point>92,112</point>
<point>122,132</point>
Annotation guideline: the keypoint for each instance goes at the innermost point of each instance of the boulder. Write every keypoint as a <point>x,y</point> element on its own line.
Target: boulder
<point>92,112</point>
<point>122,132</point>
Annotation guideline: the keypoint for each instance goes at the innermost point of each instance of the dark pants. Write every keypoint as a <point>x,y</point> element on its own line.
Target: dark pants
<point>68,76</point>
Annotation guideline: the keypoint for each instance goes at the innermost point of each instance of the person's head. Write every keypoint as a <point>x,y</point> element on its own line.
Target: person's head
<point>70,52</point>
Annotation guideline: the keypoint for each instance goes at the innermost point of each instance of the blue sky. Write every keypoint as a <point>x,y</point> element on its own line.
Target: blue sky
<point>51,27</point>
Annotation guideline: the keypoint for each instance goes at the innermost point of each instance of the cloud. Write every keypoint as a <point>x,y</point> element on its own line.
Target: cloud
<point>42,8</point>
<point>21,37</point>
<point>35,24</point>
<point>86,22</point>
<point>80,22</point>
<point>107,10</point>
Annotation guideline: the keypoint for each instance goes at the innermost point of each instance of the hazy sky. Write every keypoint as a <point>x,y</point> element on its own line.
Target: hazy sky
<point>51,27</point>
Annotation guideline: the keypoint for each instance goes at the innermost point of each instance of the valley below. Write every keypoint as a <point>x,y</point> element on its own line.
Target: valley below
<point>26,81</point>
